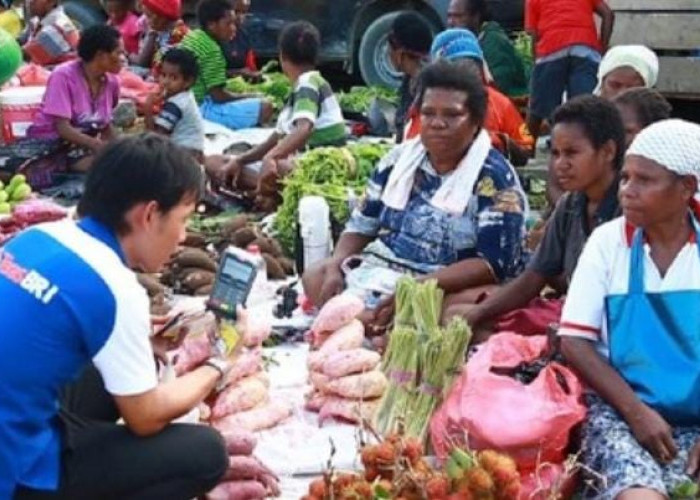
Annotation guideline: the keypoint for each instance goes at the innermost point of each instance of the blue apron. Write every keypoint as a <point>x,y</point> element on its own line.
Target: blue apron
<point>654,343</point>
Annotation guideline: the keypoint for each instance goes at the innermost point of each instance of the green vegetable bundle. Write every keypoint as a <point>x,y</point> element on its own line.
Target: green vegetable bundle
<point>275,86</point>
<point>359,99</point>
<point>421,359</point>
<point>336,174</point>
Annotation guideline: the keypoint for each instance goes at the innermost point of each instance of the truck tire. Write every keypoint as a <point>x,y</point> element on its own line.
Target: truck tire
<point>84,14</point>
<point>373,55</point>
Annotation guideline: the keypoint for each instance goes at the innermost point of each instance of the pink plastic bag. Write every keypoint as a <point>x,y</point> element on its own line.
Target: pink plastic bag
<point>530,422</point>
<point>31,75</point>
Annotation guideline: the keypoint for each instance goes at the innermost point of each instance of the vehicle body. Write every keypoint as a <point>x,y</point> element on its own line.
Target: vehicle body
<point>353,32</point>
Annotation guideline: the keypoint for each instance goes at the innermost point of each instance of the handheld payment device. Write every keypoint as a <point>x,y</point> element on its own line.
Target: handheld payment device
<point>232,284</point>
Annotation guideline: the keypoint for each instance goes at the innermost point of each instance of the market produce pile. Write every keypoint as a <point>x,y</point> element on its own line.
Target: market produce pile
<point>396,468</point>
<point>339,175</point>
<point>421,359</point>
<point>16,191</point>
<point>275,85</point>
<point>359,99</point>
<point>346,381</point>
<point>27,213</point>
<point>241,408</point>
<point>247,477</point>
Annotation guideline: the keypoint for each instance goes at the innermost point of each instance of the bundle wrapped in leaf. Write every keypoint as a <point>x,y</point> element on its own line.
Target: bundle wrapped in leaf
<point>336,174</point>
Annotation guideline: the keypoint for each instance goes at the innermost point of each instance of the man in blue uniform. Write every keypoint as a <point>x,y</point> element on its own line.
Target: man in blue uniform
<point>70,301</point>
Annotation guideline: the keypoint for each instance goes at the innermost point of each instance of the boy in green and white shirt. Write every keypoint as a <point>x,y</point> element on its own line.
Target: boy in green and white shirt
<point>218,105</point>
<point>310,118</point>
<point>313,100</point>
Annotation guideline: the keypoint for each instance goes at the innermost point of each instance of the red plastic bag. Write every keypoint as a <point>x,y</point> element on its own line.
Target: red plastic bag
<point>530,422</point>
<point>531,320</point>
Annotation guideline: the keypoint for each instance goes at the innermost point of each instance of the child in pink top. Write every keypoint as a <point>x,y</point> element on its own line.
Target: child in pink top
<point>122,17</point>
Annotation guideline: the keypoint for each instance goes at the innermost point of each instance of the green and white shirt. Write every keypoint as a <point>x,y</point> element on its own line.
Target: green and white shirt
<point>313,100</point>
<point>210,59</point>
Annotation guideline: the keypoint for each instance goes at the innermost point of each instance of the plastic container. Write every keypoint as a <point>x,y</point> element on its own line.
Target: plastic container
<point>314,229</point>
<point>259,289</point>
<point>18,107</point>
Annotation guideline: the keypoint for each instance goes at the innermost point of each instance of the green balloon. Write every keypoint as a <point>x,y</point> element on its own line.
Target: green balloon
<point>10,56</point>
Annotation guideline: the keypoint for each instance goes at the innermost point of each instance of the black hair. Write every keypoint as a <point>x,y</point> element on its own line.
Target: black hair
<point>410,31</point>
<point>299,43</point>
<point>599,119</point>
<point>478,7</point>
<point>136,169</point>
<point>457,75</point>
<point>126,4</point>
<point>211,11</point>
<point>649,106</point>
<point>185,60</point>
<point>98,38</point>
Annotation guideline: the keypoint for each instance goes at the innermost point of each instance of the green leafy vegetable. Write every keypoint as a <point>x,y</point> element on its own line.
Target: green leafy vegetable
<point>359,99</point>
<point>336,174</point>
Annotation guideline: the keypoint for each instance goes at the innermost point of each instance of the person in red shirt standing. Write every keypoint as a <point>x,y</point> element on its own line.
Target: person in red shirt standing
<point>567,49</point>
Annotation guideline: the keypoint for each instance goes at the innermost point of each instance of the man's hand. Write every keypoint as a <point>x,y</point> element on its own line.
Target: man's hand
<point>383,316</point>
<point>333,282</point>
<point>167,340</point>
<point>693,466</point>
<point>654,434</point>
<point>267,184</point>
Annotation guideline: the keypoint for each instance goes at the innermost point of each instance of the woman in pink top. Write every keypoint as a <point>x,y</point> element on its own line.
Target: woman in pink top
<point>75,119</point>
<point>122,17</point>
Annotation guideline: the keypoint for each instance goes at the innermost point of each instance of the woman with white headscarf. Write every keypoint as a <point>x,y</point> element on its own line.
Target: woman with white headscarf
<point>625,67</point>
<point>631,322</point>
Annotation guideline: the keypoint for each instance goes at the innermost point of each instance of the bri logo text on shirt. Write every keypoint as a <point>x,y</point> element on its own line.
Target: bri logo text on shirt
<point>31,281</point>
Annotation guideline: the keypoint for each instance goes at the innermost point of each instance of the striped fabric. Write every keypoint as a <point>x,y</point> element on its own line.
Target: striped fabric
<point>53,40</point>
<point>211,61</point>
<point>313,100</point>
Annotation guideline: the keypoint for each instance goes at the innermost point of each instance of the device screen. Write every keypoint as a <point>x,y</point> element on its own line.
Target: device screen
<point>232,285</point>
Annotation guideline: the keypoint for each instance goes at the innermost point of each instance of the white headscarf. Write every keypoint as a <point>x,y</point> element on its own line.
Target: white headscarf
<point>673,144</point>
<point>638,57</point>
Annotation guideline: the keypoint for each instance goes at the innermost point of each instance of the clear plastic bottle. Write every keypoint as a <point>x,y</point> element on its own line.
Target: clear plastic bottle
<point>258,290</point>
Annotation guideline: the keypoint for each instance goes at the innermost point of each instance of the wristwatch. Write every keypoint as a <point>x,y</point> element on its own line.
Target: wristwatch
<point>222,367</point>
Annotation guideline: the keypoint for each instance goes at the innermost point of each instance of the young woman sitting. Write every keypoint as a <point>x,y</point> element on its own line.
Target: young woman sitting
<point>588,144</point>
<point>630,323</point>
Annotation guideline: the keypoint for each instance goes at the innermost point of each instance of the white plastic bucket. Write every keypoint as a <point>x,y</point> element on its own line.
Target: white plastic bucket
<point>315,229</point>
<point>18,107</point>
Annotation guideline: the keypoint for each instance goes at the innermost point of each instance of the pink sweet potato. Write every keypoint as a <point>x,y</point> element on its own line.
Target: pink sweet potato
<point>342,363</point>
<point>194,351</point>
<point>314,401</point>
<point>244,467</point>
<point>360,386</point>
<point>257,419</point>
<point>239,441</point>
<point>238,490</point>
<point>247,363</point>
<point>348,410</point>
<point>245,394</point>
<point>337,312</point>
<point>319,381</point>
<point>349,336</point>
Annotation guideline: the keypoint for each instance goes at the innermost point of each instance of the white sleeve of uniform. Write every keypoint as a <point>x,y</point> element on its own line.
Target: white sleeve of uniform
<point>584,307</point>
<point>126,361</point>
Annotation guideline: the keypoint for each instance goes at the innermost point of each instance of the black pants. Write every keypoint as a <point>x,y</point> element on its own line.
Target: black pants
<point>103,460</point>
